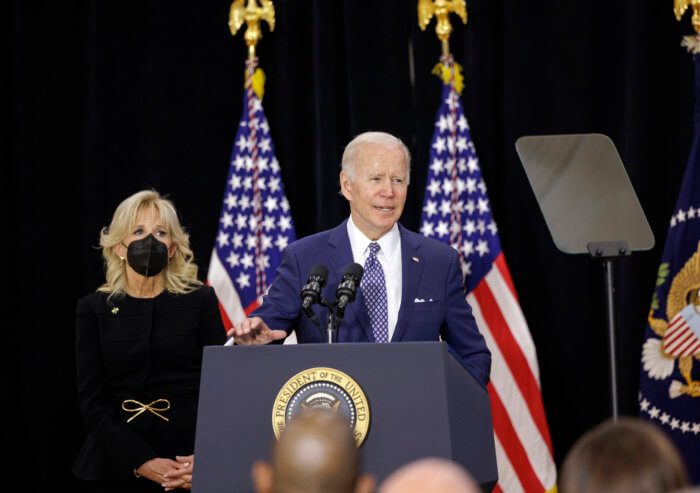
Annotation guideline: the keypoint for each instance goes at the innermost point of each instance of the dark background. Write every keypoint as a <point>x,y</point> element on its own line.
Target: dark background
<point>107,98</point>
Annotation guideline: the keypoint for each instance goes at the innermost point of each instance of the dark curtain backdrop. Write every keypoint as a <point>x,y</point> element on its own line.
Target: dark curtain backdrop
<point>108,98</point>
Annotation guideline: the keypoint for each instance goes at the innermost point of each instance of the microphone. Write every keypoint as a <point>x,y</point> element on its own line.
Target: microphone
<point>311,292</point>
<point>347,289</point>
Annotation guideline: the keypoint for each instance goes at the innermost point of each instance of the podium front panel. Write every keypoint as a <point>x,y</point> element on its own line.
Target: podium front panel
<point>406,385</point>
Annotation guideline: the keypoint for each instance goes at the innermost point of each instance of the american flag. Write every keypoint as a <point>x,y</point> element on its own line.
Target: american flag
<point>255,225</point>
<point>669,384</point>
<point>457,211</point>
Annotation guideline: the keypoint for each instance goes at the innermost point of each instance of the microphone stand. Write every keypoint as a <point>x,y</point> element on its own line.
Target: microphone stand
<point>331,321</point>
<point>331,325</point>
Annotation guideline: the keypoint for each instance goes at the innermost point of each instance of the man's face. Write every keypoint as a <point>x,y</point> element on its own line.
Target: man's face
<point>377,193</point>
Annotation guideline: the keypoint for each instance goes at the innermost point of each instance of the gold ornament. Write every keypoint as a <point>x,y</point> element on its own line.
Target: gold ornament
<point>444,71</point>
<point>441,9</point>
<point>680,6</point>
<point>252,14</point>
<point>140,407</point>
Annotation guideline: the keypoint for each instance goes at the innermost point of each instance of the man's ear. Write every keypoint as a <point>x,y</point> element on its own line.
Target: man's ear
<point>345,186</point>
<point>262,477</point>
<point>365,484</point>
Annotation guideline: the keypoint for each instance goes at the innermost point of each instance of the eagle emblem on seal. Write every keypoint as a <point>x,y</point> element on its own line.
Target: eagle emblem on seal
<point>679,332</point>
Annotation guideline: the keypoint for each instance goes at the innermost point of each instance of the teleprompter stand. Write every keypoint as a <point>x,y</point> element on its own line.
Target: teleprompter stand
<point>589,206</point>
<point>432,409</point>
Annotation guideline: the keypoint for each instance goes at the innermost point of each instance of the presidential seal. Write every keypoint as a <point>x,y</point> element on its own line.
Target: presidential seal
<point>679,332</point>
<point>322,388</point>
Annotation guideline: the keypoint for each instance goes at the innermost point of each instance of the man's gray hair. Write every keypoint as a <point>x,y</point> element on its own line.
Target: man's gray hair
<point>377,138</point>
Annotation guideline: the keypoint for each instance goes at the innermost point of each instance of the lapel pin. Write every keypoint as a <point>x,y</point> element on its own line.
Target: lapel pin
<point>415,259</point>
<point>115,310</point>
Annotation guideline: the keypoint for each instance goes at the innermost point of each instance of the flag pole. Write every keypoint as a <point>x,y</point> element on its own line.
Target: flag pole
<point>450,72</point>
<point>252,14</point>
<point>255,225</point>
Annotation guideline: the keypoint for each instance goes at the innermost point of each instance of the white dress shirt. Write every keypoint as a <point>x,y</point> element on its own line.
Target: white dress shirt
<point>389,257</point>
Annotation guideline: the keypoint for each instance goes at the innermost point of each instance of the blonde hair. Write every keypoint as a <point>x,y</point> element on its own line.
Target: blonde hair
<point>179,276</point>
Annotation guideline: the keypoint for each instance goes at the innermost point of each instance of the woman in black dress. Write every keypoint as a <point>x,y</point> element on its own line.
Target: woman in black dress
<point>139,352</point>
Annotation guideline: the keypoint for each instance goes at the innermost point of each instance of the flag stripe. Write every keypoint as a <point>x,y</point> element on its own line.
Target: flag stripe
<point>685,342</point>
<point>677,329</point>
<point>514,450</point>
<point>692,349</point>
<point>518,416</point>
<point>229,302</point>
<point>500,262</point>
<point>675,325</point>
<point>515,326</point>
<point>680,341</point>
<point>251,307</point>
<point>503,338</point>
<point>224,317</point>
<point>507,478</point>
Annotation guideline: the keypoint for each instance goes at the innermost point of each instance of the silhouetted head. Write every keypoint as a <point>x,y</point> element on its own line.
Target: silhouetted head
<point>316,453</point>
<point>627,455</point>
<point>430,475</point>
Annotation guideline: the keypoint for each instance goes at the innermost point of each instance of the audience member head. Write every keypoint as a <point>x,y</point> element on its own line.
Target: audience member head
<point>430,475</point>
<point>316,453</point>
<point>180,274</point>
<point>623,456</point>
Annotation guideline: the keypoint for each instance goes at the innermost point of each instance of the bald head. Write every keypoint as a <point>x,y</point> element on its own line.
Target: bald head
<point>430,476</point>
<point>315,453</point>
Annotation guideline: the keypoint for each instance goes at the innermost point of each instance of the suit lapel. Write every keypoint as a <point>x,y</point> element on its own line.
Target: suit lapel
<point>340,258</point>
<point>411,270</point>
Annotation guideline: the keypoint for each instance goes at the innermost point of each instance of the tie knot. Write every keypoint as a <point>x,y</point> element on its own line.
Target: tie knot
<point>373,249</point>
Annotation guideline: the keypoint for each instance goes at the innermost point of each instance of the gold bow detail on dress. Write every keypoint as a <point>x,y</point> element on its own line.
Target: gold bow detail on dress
<point>140,407</point>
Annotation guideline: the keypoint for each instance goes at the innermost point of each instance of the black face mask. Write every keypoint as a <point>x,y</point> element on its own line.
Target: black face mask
<point>147,256</point>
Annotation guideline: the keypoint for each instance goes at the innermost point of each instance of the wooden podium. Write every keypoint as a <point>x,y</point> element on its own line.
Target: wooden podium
<point>422,403</point>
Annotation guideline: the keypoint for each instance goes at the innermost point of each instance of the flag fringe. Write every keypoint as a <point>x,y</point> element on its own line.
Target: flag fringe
<point>692,44</point>
<point>444,71</point>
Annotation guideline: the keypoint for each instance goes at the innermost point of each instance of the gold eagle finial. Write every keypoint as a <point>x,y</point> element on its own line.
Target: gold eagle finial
<point>441,9</point>
<point>252,14</point>
<point>680,6</point>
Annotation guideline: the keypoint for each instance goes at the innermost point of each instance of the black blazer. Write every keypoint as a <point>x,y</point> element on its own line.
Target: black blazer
<point>140,349</point>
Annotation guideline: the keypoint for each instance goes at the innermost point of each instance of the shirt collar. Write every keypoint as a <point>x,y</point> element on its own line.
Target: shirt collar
<point>360,243</point>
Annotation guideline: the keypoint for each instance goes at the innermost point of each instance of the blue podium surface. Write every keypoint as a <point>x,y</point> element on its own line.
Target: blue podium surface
<point>420,402</point>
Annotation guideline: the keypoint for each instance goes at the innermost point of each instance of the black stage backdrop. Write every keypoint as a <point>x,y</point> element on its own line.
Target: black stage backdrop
<point>108,98</point>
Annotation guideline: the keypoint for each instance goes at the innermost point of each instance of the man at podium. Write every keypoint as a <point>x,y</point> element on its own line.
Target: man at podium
<point>411,289</point>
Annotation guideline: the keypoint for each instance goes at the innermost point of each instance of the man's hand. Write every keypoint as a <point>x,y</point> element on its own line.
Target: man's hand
<point>182,477</point>
<point>253,331</point>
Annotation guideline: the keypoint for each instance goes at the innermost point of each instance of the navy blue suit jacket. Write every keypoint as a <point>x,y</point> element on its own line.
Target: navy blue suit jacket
<point>430,272</point>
